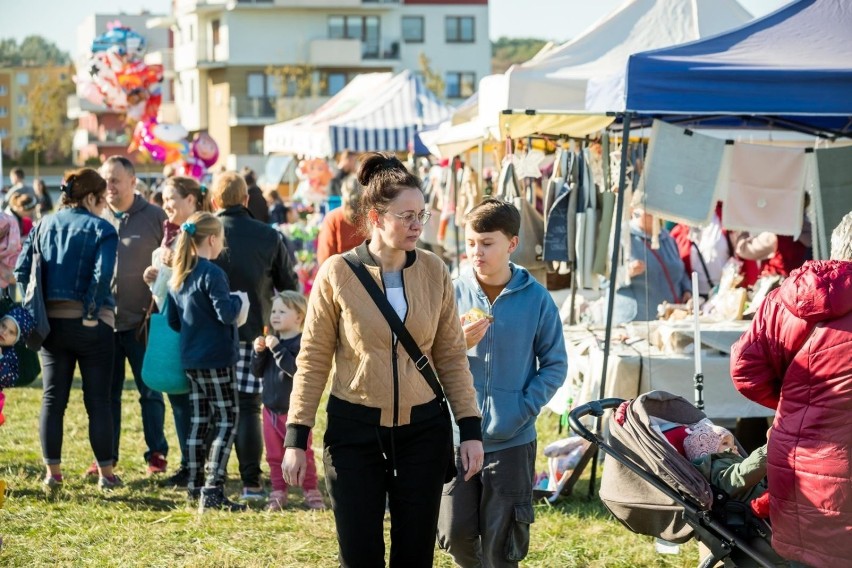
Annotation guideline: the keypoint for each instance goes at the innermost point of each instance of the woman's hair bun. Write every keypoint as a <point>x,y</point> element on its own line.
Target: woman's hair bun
<point>376,163</point>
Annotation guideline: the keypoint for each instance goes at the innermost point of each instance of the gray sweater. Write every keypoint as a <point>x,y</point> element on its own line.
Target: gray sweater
<point>140,231</point>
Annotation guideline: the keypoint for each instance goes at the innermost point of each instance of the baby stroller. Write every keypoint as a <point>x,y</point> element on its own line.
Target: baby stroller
<point>653,490</point>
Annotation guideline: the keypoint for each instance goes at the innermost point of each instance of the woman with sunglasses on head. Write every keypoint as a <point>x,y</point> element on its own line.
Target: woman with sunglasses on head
<point>387,434</point>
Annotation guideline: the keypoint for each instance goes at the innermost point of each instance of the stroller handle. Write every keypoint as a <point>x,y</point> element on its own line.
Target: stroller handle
<point>596,408</point>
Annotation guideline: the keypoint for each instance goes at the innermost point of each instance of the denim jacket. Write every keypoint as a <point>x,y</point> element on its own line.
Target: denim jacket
<point>78,251</point>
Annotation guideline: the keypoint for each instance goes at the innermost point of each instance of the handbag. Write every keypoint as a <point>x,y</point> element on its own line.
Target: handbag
<point>34,297</point>
<point>161,367</point>
<point>29,366</point>
<point>401,332</point>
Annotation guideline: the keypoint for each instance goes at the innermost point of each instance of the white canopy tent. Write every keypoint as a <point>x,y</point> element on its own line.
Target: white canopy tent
<point>559,79</point>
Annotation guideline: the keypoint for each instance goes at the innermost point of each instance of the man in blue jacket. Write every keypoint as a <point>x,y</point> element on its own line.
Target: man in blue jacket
<point>517,357</point>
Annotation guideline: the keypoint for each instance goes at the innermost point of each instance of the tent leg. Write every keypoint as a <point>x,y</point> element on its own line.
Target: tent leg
<point>616,249</point>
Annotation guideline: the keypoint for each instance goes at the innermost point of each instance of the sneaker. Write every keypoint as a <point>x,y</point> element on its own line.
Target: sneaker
<point>277,501</point>
<point>253,494</point>
<point>110,483</point>
<point>314,500</point>
<point>52,484</point>
<point>192,495</point>
<point>93,471</point>
<point>214,498</point>
<point>157,463</point>
<point>180,478</point>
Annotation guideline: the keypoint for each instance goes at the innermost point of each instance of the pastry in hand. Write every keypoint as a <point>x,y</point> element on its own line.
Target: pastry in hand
<point>475,314</point>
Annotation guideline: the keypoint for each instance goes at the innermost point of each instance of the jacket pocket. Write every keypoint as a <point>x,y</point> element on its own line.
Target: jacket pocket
<point>354,382</point>
<point>508,414</point>
<point>518,539</point>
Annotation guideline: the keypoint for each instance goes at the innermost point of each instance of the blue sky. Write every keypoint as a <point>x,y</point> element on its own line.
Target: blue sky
<point>549,19</point>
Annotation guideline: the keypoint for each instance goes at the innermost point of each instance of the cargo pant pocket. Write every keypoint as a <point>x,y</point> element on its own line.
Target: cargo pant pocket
<point>518,539</point>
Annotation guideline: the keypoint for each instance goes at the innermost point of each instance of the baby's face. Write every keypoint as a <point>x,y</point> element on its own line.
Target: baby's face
<point>8,332</point>
<point>727,444</point>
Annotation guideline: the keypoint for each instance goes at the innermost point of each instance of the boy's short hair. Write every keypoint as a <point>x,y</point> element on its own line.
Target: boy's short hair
<point>293,300</point>
<point>495,215</point>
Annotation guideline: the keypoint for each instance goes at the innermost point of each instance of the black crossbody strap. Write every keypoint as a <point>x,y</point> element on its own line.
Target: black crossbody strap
<point>396,325</point>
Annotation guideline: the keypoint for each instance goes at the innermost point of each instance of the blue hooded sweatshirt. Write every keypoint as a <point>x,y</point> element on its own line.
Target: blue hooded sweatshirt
<point>521,360</point>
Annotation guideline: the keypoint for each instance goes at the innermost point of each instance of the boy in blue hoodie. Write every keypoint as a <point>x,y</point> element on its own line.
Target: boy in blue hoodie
<point>517,357</point>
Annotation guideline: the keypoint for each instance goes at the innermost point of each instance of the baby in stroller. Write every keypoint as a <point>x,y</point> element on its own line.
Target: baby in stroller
<point>652,487</point>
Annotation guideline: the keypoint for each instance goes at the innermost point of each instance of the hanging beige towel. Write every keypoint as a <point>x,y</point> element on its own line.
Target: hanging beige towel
<point>766,190</point>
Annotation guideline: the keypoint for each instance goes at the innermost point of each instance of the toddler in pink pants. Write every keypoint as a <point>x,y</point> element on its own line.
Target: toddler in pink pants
<point>273,360</point>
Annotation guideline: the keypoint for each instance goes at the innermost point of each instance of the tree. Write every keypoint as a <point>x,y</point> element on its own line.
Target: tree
<point>506,52</point>
<point>34,51</point>
<point>50,131</point>
<point>298,83</point>
<point>431,78</point>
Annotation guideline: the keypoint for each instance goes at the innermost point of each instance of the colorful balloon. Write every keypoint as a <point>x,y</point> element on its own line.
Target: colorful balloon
<point>205,149</point>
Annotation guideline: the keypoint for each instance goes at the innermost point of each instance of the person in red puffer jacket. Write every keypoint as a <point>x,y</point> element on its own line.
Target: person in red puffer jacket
<point>796,359</point>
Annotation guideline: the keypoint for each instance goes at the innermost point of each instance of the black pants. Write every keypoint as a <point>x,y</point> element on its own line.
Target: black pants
<point>68,344</point>
<point>359,479</point>
<point>248,443</point>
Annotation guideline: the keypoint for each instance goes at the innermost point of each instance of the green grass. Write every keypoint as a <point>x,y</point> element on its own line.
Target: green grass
<point>144,524</point>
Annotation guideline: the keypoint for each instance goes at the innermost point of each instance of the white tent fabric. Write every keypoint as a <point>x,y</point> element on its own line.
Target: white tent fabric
<point>558,80</point>
<point>309,135</point>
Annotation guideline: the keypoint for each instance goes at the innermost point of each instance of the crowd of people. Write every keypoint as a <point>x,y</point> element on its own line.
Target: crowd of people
<point>406,433</point>
<point>436,383</point>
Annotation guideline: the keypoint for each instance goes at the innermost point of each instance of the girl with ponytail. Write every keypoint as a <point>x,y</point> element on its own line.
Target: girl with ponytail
<point>201,307</point>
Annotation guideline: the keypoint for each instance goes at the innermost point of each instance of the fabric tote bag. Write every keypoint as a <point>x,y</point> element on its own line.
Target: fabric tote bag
<point>161,367</point>
<point>529,251</point>
<point>34,297</point>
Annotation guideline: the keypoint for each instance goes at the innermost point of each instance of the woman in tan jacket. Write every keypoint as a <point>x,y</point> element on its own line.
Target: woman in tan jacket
<point>386,432</point>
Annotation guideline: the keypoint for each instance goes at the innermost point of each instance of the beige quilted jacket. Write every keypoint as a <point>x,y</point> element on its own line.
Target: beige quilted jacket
<point>347,338</point>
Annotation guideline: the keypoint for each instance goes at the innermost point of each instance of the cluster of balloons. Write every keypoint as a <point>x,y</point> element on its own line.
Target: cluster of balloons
<point>116,76</point>
<point>167,143</point>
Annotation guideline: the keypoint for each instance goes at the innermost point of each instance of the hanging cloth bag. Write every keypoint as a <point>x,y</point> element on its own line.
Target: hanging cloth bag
<point>528,253</point>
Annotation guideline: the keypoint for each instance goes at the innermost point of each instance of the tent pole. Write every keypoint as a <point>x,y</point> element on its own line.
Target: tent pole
<point>481,176</point>
<point>613,273</point>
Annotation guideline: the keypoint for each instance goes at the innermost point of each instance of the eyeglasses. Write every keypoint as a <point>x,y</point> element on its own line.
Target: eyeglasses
<point>409,217</point>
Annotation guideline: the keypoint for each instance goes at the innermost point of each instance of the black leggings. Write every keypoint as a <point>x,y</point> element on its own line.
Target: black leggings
<point>71,343</point>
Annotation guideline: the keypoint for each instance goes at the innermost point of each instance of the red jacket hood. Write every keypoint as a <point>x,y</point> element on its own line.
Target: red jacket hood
<point>820,290</point>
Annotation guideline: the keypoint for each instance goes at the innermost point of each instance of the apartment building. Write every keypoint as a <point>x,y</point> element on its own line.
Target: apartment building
<point>102,132</point>
<point>15,84</point>
<point>225,51</point>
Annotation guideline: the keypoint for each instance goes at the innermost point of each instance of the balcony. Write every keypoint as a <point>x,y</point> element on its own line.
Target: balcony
<point>352,53</point>
<point>252,111</point>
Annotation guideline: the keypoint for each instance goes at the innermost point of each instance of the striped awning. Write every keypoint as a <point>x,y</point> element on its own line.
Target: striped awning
<point>390,119</point>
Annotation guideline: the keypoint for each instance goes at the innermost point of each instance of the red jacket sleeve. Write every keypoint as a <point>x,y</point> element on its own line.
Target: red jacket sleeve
<point>760,358</point>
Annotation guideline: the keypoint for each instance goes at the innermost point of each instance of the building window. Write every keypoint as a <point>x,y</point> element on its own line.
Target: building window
<point>23,79</point>
<point>4,133</point>
<point>460,84</point>
<point>4,112</point>
<point>22,99</point>
<point>363,28</point>
<point>333,83</point>
<point>22,122</point>
<point>190,33</point>
<point>260,85</point>
<point>3,91</point>
<point>412,29</point>
<point>460,29</point>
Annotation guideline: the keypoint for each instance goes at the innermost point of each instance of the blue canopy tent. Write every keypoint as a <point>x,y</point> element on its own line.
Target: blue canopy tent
<point>793,65</point>
<point>791,68</point>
